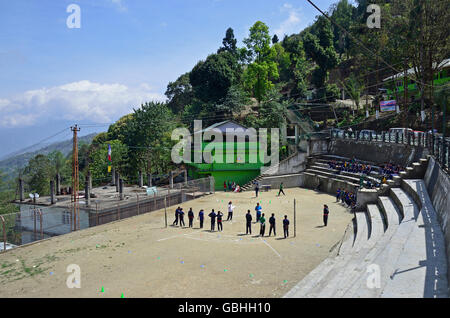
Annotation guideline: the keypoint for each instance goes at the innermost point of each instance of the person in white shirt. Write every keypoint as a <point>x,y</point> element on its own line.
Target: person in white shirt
<point>230,211</point>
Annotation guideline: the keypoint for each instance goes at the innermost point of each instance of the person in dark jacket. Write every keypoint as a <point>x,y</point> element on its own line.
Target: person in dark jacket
<point>248,228</point>
<point>219,221</point>
<point>286,226</point>
<point>213,216</point>
<point>272,225</point>
<point>176,216</point>
<point>326,211</point>
<point>201,216</point>
<point>191,217</point>
<point>181,214</point>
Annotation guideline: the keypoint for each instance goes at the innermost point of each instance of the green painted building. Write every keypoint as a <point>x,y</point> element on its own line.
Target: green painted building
<point>243,163</point>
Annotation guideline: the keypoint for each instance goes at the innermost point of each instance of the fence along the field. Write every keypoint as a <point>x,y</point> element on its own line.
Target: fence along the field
<point>34,223</point>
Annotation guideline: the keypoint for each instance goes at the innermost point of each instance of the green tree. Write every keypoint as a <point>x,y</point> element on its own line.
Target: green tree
<point>99,160</point>
<point>180,93</point>
<point>259,75</point>
<point>229,43</point>
<point>38,174</point>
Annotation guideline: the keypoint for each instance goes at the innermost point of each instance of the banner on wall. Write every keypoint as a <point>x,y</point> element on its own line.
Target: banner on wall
<point>388,106</point>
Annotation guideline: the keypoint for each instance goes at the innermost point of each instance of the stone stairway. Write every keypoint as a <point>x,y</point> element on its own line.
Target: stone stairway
<point>394,249</point>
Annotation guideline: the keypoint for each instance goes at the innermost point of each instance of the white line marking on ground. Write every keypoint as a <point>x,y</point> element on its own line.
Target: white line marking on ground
<point>170,237</point>
<point>270,247</point>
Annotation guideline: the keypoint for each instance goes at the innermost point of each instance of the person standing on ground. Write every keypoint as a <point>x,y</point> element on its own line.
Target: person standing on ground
<point>181,213</point>
<point>230,211</point>
<point>325,214</point>
<point>225,186</point>
<point>213,216</point>
<point>262,220</point>
<point>219,221</point>
<point>286,226</point>
<point>248,227</point>
<point>176,216</point>
<point>258,210</point>
<point>338,194</point>
<point>191,217</point>
<point>201,216</point>
<point>272,225</point>
<point>281,189</point>
<point>256,188</point>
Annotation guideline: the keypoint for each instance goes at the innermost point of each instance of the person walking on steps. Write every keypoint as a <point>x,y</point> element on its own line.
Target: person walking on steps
<point>281,189</point>
<point>272,225</point>
<point>213,216</point>
<point>326,211</point>
<point>248,228</point>
<point>286,226</point>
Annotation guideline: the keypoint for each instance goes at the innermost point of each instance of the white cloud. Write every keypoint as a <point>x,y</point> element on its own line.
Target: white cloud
<point>77,101</point>
<point>120,5</point>
<point>292,24</point>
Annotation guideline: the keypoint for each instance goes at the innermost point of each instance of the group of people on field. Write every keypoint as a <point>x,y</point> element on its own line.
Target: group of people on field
<point>218,218</point>
<point>231,186</point>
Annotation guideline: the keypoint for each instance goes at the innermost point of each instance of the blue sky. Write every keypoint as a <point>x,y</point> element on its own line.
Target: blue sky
<point>124,53</point>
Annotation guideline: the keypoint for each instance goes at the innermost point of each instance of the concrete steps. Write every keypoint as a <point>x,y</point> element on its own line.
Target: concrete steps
<point>399,238</point>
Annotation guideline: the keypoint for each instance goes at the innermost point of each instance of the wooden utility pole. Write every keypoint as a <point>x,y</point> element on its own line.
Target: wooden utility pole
<point>75,180</point>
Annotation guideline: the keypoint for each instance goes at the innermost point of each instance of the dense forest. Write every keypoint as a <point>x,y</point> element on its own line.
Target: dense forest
<point>256,83</point>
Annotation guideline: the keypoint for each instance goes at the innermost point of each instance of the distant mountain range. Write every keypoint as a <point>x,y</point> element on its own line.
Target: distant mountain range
<point>18,160</point>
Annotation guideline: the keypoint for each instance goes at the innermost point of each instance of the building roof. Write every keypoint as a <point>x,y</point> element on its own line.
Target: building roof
<point>445,63</point>
<point>223,125</point>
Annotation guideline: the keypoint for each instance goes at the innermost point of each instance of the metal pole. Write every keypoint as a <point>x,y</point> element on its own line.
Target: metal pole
<point>137,195</point>
<point>40,219</point>
<point>165,210</point>
<point>118,211</point>
<point>4,232</point>
<point>295,217</point>
<point>34,219</point>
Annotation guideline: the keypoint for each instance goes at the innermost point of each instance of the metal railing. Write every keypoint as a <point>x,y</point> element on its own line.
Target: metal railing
<point>34,222</point>
<point>438,146</point>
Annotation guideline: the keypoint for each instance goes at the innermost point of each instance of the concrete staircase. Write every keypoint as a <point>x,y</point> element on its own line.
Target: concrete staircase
<point>394,249</point>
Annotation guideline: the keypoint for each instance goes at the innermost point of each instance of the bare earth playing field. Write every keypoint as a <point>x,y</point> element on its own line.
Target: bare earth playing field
<point>140,258</point>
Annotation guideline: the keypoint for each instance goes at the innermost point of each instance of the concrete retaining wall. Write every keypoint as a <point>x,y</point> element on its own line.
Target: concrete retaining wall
<point>328,185</point>
<point>289,181</point>
<point>377,152</point>
<point>294,164</point>
<point>438,187</point>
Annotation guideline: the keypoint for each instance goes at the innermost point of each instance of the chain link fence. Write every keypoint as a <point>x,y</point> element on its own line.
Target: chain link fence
<point>35,222</point>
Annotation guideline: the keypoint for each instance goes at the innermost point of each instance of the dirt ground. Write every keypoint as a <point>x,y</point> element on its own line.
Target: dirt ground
<point>139,257</point>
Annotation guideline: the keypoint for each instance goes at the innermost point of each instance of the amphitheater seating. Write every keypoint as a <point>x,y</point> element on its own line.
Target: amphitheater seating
<point>399,236</point>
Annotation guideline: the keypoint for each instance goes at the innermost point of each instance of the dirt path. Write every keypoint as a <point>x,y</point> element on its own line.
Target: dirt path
<point>140,258</point>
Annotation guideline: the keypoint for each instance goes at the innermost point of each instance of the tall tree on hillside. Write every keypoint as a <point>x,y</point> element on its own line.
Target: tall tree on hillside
<point>342,14</point>
<point>148,138</point>
<point>179,93</point>
<point>211,79</point>
<point>229,42</point>
<point>38,174</point>
<point>319,47</point>
<point>263,69</point>
<point>299,68</point>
